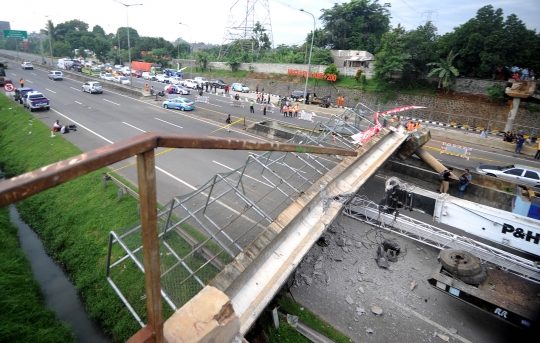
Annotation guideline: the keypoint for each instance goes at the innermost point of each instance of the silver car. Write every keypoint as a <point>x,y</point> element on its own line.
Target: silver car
<point>514,173</point>
<point>92,87</point>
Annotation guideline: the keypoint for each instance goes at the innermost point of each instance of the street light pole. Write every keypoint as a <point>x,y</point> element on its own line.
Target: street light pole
<point>129,44</point>
<point>190,50</point>
<point>310,50</point>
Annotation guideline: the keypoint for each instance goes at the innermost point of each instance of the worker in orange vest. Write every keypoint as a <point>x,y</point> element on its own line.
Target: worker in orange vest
<point>296,108</point>
<point>339,100</point>
<point>21,81</point>
<point>258,98</point>
<point>285,110</point>
<point>417,125</point>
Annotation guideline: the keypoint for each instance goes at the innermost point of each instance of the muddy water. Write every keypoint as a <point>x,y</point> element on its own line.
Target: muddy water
<point>60,294</point>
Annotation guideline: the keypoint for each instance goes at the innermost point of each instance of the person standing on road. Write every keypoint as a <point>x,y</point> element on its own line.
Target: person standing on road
<point>519,144</point>
<point>264,109</point>
<point>537,156</point>
<point>251,103</point>
<point>228,122</point>
<point>285,110</point>
<point>291,109</point>
<point>21,81</point>
<point>258,97</point>
<point>296,108</point>
<point>464,180</point>
<point>445,183</point>
<point>257,89</point>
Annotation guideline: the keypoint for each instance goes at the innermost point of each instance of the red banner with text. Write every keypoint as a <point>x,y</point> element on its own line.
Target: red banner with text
<point>322,76</point>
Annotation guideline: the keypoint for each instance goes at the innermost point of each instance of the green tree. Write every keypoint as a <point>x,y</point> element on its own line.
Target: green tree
<point>81,52</point>
<point>356,25</point>
<point>331,69</point>
<point>389,55</point>
<point>420,45</point>
<point>51,31</point>
<point>62,48</point>
<point>98,30</point>
<point>447,72</point>
<point>202,58</point>
<point>101,48</point>
<point>261,39</point>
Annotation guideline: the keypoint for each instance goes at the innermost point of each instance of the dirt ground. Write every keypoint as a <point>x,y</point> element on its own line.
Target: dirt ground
<point>341,284</point>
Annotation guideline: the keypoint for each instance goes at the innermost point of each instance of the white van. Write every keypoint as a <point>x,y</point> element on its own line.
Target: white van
<point>64,63</point>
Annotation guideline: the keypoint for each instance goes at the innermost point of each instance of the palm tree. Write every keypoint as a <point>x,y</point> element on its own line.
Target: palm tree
<point>50,30</point>
<point>447,72</point>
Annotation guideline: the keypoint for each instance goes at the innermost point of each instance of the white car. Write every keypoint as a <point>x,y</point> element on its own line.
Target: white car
<point>514,173</point>
<point>55,75</point>
<point>239,87</point>
<point>190,83</point>
<point>92,87</point>
<point>125,71</point>
<point>122,79</point>
<point>162,78</point>
<point>176,80</point>
<point>148,76</point>
<point>107,76</point>
<point>27,65</point>
<point>178,89</point>
<point>201,80</point>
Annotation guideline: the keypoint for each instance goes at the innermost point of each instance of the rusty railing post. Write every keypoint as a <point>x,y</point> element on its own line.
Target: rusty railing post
<point>148,200</point>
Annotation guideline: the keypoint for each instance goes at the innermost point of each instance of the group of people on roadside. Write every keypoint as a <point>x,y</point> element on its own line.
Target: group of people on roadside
<point>289,110</point>
<point>526,75</point>
<point>262,99</point>
<point>57,127</point>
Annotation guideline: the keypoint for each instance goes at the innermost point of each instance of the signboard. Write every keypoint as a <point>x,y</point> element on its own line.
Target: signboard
<point>15,34</point>
<point>322,76</point>
<point>9,87</point>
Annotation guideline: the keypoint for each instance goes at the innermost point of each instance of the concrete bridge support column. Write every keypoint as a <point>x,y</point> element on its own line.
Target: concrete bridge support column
<point>512,116</point>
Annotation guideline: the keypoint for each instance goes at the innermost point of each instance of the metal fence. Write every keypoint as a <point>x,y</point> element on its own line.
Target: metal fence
<point>200,232</point>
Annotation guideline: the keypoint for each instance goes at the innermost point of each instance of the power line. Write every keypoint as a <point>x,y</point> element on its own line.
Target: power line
<point>410,7</point>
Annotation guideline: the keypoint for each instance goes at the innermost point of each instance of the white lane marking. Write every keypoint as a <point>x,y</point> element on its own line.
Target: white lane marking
<point>29,81</point>
<point>111,102</point>
<point>33,73</point>
<point>133,126</point>
<point>84,127</point>
<point>50,90</point>
<point>212,123</point>
<point>427,320</point>
<point>224,166</point>
<point>160,169</point>
<point>13,74</point>
<point>78,102</point>
<point>168,122</point>
<point>78,90</point>
<point>212,198</point>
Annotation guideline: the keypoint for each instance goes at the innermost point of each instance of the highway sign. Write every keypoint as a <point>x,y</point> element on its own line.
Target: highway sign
<point>15,34</point>
<point>9,87</point>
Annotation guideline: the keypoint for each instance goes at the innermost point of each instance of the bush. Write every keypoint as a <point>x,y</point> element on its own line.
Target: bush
<point>359,75</point>
<point>332,69</point>
<point>495,92</point>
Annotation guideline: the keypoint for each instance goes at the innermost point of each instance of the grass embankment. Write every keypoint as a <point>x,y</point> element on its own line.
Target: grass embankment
<point>73,220</point>
<point>23,315</point>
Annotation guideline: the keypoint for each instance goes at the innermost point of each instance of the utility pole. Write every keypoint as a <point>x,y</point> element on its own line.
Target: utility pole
<point>41,47</point>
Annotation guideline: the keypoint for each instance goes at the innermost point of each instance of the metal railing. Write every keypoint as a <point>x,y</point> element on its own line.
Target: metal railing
<point>26,185</point>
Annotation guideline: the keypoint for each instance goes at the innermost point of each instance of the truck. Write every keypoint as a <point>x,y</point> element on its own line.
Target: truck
<point>498,273</point>
<point>35,100</point>
<point>146,66</point>
<point>64,63</point>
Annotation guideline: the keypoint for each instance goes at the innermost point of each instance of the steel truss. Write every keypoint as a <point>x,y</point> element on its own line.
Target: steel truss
<point>200,232</point>
<point>367,211</point>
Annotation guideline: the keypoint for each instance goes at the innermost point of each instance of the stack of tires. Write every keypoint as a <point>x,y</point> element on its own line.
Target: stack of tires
<point>463,265</point>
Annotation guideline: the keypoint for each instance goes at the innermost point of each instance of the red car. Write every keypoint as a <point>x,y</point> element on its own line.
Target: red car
<point>136,73</point>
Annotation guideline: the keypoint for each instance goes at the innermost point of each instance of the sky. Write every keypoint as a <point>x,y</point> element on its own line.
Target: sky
<point>207,19</point>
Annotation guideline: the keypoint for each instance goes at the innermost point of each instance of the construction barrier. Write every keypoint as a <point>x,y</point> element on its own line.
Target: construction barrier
<point>306,116</point>
<point>203,99</point>
<point>269,108</point>
<point>237,103</point>
<point>456,150</point>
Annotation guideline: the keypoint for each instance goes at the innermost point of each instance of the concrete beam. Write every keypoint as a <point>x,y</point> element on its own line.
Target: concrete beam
<point>253,278</point>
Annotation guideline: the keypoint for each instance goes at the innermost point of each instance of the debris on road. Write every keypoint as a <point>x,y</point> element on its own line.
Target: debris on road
<point>413,285</point>
<point>376,310</point>
<point>369,330</point>
<point>349,300</point>
<point>443,337</point>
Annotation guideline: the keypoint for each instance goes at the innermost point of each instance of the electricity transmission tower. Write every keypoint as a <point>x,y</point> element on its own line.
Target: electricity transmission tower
<point>241,23</point>
<point>429,14</point>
